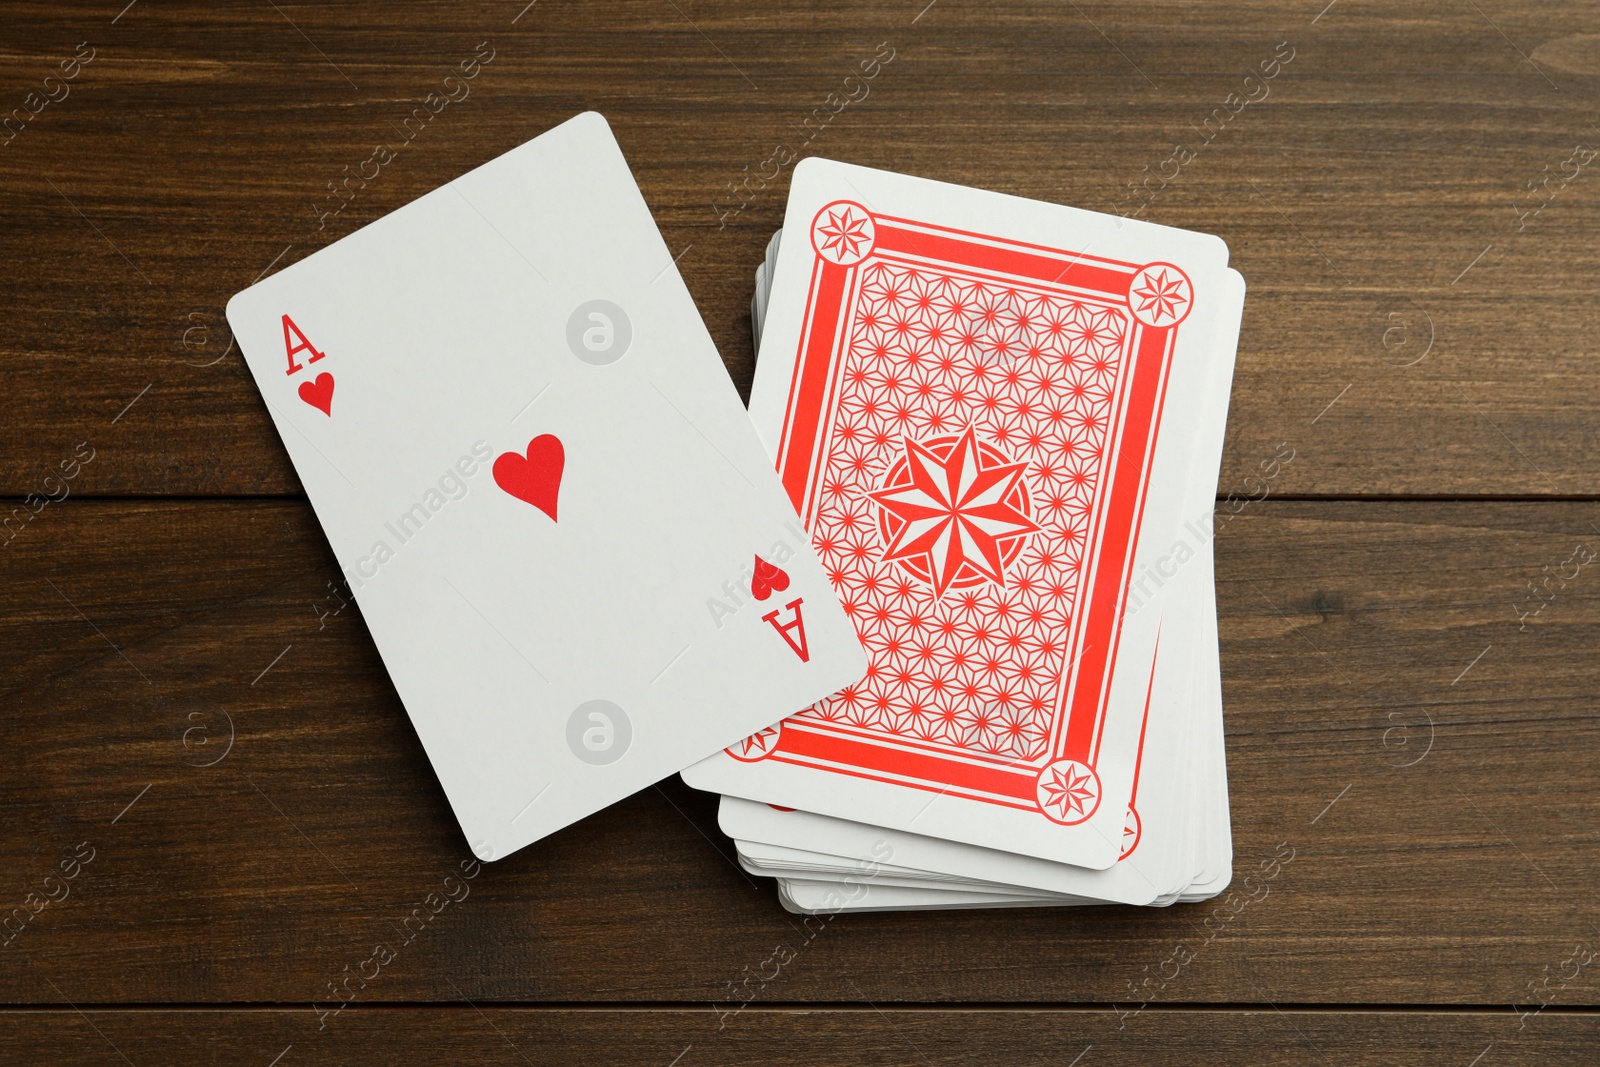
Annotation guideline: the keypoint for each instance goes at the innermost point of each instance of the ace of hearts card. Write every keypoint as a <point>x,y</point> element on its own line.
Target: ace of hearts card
<point>985,410</point>
<point>565,537</point>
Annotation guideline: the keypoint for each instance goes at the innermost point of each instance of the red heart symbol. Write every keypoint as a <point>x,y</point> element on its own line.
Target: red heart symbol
<point>319,393</point>
<point>535,477</point>
<point>767,579</point>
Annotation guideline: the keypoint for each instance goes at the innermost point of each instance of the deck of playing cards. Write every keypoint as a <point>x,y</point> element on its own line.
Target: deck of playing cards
<point>1001,423</point>
<point>958,649</point>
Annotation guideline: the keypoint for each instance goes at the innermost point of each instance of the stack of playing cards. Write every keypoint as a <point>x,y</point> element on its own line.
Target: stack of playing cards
<point>982,565</point>
<point>1001,423</point>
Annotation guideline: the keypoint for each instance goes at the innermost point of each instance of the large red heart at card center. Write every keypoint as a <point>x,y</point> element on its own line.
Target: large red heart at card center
<point>536,476</point>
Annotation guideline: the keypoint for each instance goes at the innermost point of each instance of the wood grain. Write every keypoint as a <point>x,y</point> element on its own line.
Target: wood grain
<point>660,1037</point>
<point>1421,753</point>
<point>213,810</point>
<point>196,151</point>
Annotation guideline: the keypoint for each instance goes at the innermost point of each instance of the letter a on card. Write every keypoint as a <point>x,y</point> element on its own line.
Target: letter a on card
<point>793,631</point>
<point>297,343</point>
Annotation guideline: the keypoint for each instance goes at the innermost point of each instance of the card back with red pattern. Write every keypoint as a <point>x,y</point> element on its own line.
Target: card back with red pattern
<point>982,409</point>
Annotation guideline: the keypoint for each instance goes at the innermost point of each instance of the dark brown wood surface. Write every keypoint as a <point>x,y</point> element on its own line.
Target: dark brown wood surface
<point>499,1037</point>
<point>248,812</point>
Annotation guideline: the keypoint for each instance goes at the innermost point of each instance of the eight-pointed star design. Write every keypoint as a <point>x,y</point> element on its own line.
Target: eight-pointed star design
<point>843,233</point>
<point>954,511</point>
<point>756,745</point>
<point>1162,294</point>
<point>1067,792</point>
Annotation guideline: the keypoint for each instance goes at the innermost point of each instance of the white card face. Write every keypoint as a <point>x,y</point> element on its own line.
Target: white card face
<point>920,336</point>
<point>565,537</point>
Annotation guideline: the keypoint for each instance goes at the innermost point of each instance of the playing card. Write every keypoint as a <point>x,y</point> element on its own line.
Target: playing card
<point>758,302</point>
<point>967,397</point>
<point>1180,833</point>
<point>804,897</point>
<point>566,539</point>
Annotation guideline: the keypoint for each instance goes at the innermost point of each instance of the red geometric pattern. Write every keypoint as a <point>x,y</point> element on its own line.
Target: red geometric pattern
<point>1132,830</point>
<point>843,233</point>
<point>955,512</point>
<point>1160,295</point>
<point>958,659</point>
<point>1069,791</point>
<point>757,746</point>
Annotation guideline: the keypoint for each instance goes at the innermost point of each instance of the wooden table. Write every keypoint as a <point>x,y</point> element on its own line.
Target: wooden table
<point>1408,619</point>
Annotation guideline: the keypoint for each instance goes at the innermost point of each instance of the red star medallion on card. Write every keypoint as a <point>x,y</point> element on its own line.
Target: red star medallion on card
<point>757,745</point>
<point>1068,791</point>
<point>1160,295</point>
<point>954,511</point>
<point>843,233</point>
